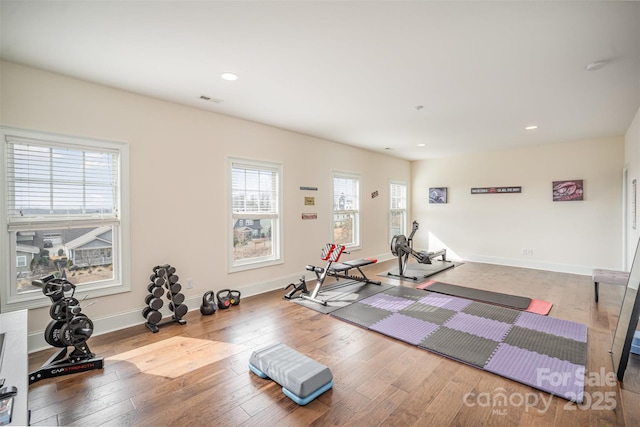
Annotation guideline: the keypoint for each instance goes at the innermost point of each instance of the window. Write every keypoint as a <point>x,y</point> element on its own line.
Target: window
<point>397,209</point>
<point>255,214</point>
<point>346,210</point>
<point>64,200</point>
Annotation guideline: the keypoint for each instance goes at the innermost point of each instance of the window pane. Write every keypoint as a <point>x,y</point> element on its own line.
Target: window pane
<point>397,223</point>
<point>82,255</point>
<point>398,209</point>
<point>60,181</point>
<point>254,190</point>
<point>253,239</point>
<point>345,194</point>
<point>343,229</point>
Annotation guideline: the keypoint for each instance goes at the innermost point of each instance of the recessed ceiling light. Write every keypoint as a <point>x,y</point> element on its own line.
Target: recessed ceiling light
<point>421,145</point>
<point>534,127</point>
<point>229,76</point>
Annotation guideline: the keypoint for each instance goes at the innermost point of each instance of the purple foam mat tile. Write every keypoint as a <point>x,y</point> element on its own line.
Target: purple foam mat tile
<point>387,302</point>
<point>404,328</point>
<point>551,325</point>
<point>444,301</point>
<point>550,374</point>
<point>480,326</point>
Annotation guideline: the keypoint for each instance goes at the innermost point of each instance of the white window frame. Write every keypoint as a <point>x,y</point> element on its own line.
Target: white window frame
<point>402,211</point>
<point>276,217</point>
<point>10,299</point>
<point>354,210</point>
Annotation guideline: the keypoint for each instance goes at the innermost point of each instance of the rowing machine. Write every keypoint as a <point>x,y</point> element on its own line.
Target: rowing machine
<point>402,248</point>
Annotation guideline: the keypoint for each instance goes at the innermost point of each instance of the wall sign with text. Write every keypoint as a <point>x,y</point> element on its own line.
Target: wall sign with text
<point>496,190</point>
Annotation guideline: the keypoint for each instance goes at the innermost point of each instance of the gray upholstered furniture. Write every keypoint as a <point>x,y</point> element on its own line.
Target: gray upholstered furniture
<point>608,276</point>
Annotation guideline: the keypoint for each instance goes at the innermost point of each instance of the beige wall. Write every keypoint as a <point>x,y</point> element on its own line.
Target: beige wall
<point>494,228</point>
<point>178,182</point>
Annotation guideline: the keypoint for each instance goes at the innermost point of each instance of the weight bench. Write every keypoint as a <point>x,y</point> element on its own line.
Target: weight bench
<point>341,270</point>
<point>330,253</point>
<point>302,378</point>
<point>608,276</point>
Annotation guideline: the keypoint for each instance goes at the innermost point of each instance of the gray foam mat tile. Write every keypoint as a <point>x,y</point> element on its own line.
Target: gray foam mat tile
<point>547,344</point>
<point>428,313</point>
<point>361,314</point>
<point>462,346</point>
<point>494,312</point>
<point>405,292</point>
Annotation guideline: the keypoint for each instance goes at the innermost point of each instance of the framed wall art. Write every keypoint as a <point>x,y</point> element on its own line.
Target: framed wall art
<point>438,195</point>
<point>569,190</point>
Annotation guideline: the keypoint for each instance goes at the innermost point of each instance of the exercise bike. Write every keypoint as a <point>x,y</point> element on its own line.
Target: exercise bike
<point>69,328</point>
<point>402,248</point>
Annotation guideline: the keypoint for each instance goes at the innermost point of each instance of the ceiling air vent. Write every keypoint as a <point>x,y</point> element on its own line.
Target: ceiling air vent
<point>210,99</point>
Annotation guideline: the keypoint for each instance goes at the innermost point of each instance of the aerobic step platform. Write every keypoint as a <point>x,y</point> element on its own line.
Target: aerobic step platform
<point>302,378</point>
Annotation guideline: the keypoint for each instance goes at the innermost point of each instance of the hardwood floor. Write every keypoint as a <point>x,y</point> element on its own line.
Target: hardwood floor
<point>197,374</point>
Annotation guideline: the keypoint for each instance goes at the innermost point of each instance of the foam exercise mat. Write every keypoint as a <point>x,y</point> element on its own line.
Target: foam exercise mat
<point>529,348</point>
<point>506,300</point>
<point>341,294</point>
<point>521,303</point>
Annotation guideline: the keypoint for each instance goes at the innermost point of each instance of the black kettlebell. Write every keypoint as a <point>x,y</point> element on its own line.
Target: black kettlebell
<point>224,298</point>
<point>235,297</point>
<point>208,306</point>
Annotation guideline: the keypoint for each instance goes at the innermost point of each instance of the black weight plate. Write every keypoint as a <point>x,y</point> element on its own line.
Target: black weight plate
<point>150,286</point>
<point>159,281</point>
<point>148,299</point>
<point>146,311</point>
<point>175,288</point>
<point>58,310</point>
<point>52,333</point>
<point>76,331</point>
<point>173,279</point>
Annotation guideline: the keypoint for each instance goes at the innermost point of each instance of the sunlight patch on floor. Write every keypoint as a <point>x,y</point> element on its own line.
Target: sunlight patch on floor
<point>178,356</point>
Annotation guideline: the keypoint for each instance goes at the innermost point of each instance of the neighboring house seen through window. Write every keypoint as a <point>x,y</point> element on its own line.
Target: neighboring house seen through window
<point>346,209</point>
<point>397,209</point>
<point>64,214</point>
<point>255,214</point>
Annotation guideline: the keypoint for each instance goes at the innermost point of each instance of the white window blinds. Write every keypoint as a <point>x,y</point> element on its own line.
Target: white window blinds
<point>49,181</point>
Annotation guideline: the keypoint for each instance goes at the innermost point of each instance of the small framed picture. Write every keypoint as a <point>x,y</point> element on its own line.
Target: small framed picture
<point>568,190</point>
<point>438,195</point>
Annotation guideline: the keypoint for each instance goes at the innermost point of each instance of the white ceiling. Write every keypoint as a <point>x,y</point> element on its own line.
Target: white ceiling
<point>355,72</point>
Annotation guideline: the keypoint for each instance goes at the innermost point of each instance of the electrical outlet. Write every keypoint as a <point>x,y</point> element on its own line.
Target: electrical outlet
<point>189,283</point>
<point>527,251</point>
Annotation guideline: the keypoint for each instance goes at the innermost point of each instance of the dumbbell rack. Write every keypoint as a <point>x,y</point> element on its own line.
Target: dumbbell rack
<point>164,278</point>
